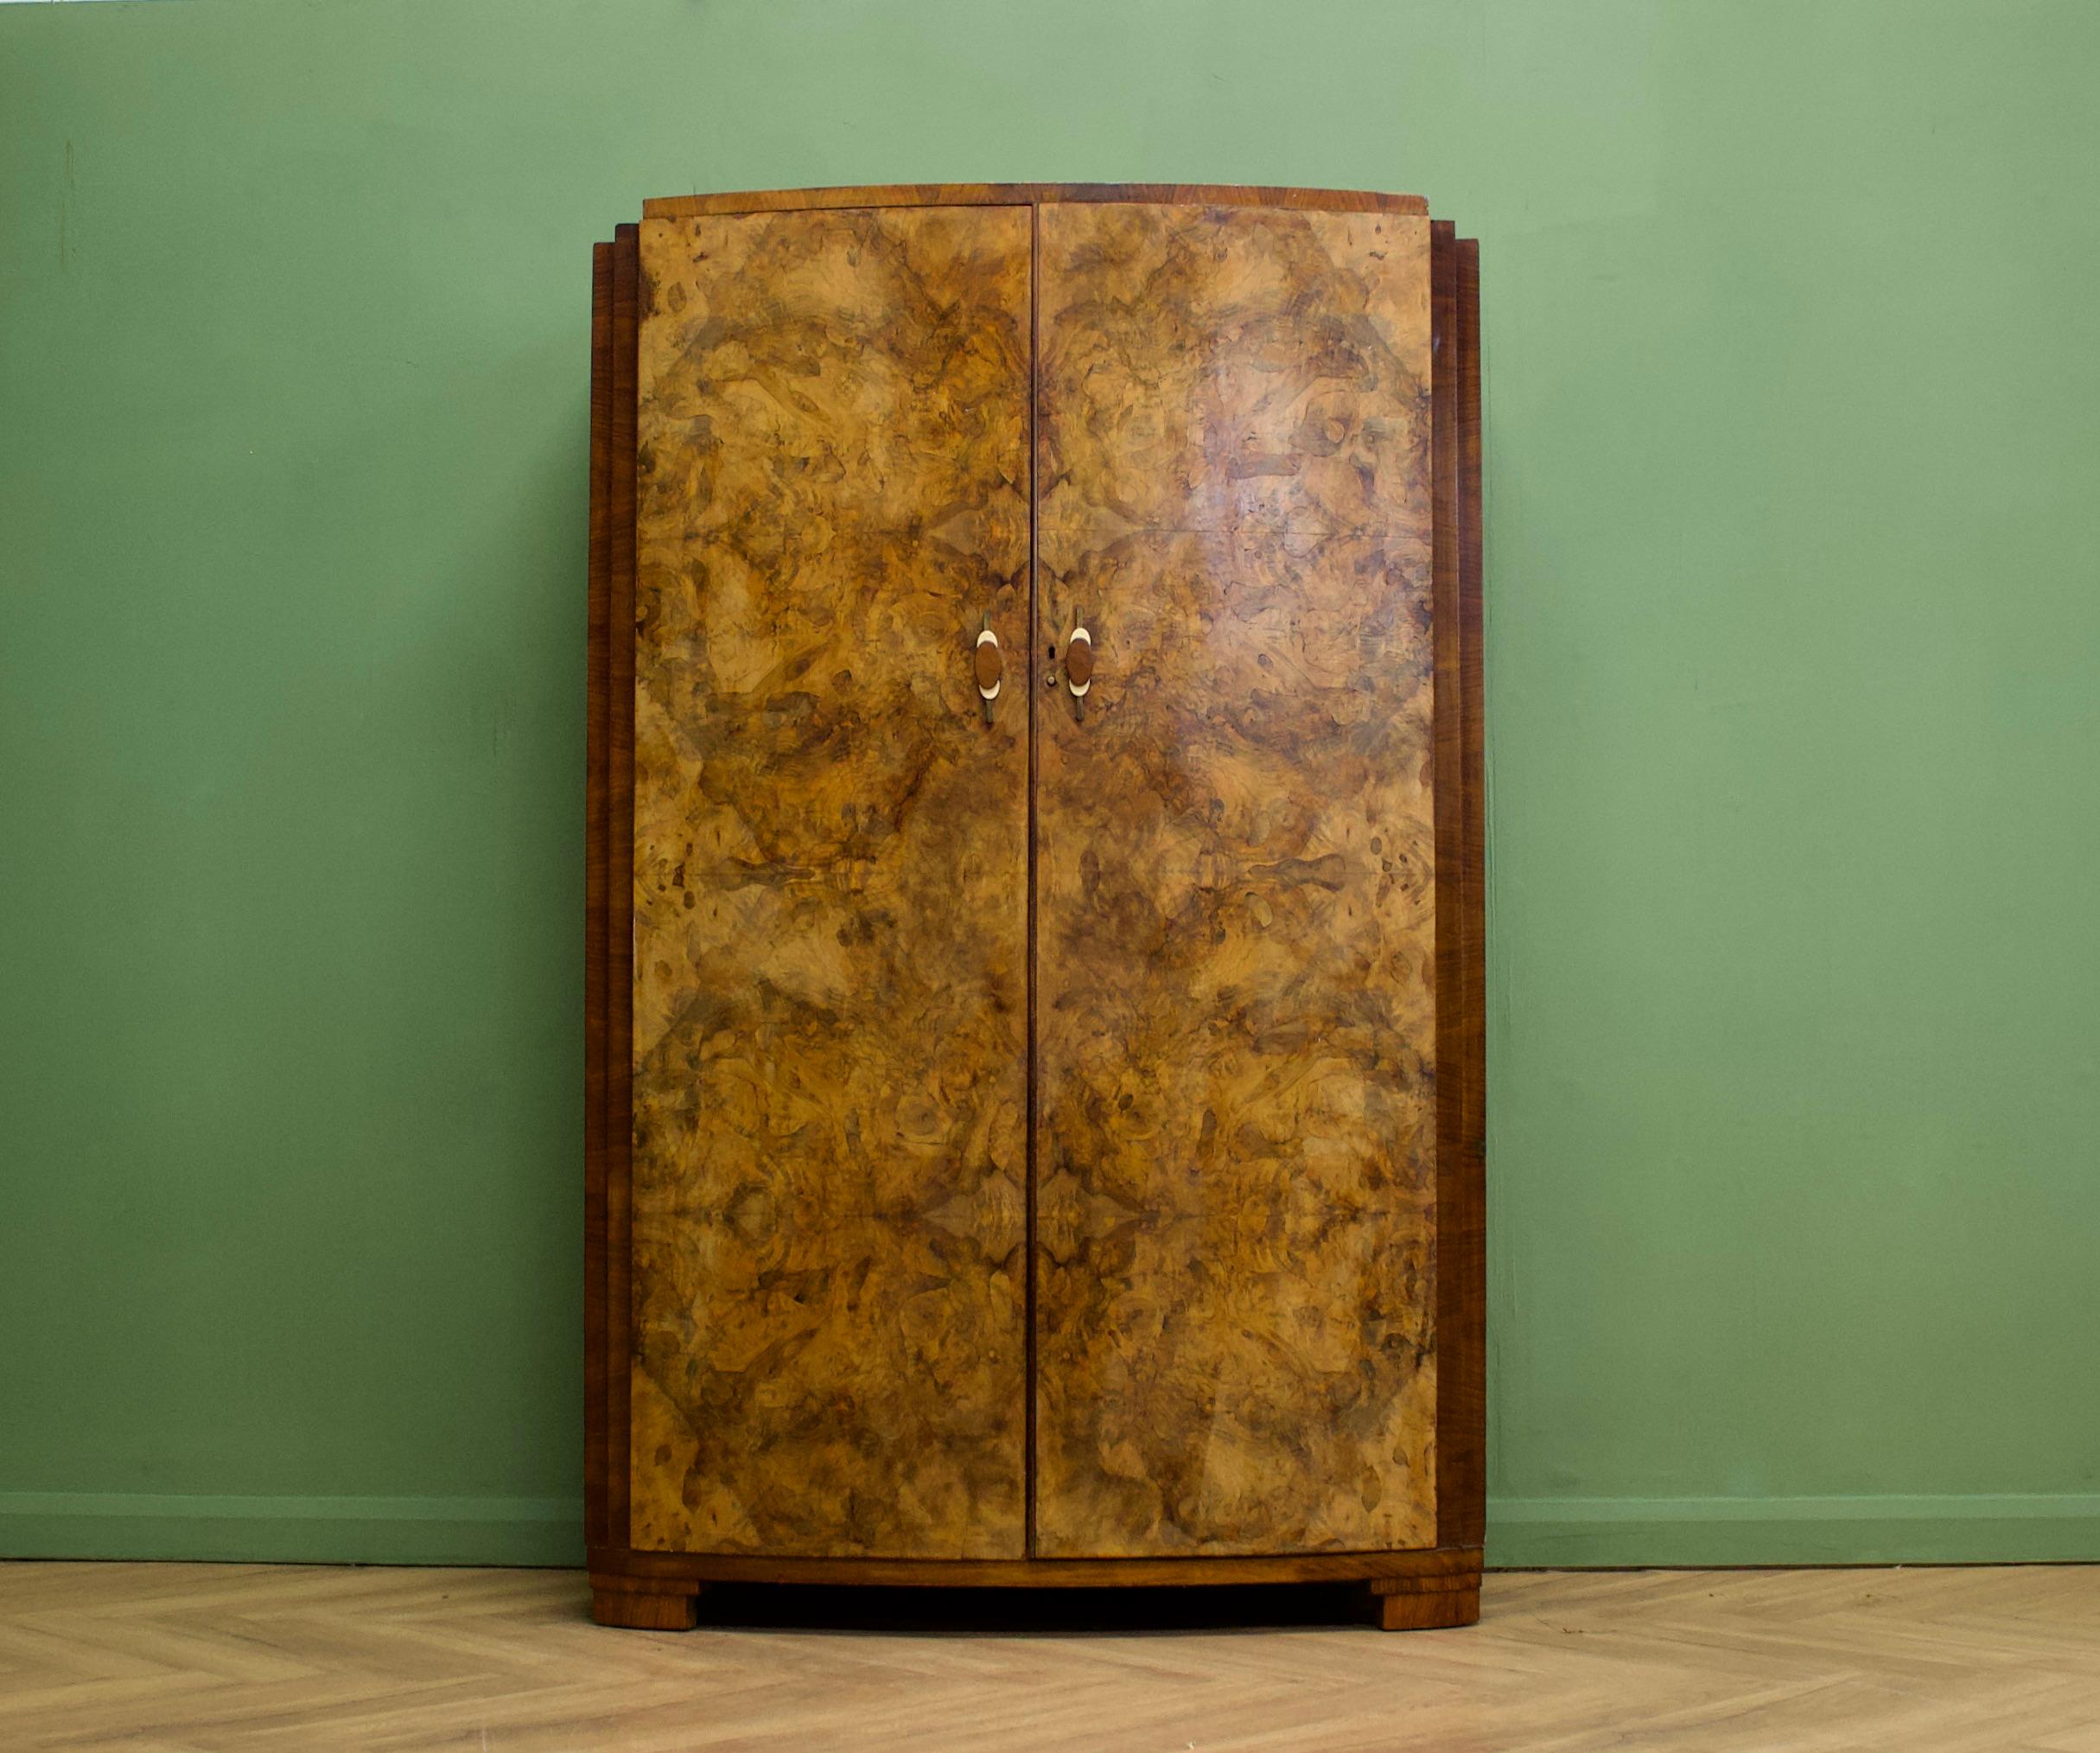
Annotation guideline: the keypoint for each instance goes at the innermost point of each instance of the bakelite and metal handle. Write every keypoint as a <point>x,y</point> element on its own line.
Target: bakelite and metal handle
<point>991,666</point>
<point>1079,665</point>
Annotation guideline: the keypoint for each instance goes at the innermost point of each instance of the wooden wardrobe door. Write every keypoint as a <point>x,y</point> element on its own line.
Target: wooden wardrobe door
<point>831,884</point>
<point>1235,884</point>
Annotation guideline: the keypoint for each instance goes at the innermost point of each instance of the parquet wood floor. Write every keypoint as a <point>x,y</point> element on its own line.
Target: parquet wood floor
<point>199,1658</point>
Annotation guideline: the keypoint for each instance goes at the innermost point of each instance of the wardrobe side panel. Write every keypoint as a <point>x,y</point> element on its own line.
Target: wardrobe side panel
<point>1235,1141</point>
<point>597,694</point>
<point>831,882</point>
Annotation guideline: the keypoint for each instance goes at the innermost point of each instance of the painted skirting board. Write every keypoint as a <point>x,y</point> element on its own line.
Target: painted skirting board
<point>297,1530</point>
<point>1548,1532</point>
<point>1522,1533</point>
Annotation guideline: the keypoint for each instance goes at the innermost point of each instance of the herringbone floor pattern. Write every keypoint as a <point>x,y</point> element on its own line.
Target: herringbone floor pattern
<point>194,1657</point>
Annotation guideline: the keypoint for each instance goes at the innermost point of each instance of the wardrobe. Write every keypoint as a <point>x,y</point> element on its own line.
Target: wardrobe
<point>1033,929</point>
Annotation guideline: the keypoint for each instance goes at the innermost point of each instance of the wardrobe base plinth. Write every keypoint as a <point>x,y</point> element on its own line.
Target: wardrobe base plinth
<point>1421,1591</point>
<point>1424,1604</point>
<point>645,1603</point>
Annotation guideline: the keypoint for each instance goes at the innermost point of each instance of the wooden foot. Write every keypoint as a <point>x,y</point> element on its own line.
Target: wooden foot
<point>1425,1603</point>
<point>645,1603</point>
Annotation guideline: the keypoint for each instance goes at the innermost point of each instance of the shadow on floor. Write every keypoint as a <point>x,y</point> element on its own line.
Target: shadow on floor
<point>1050,1612</point>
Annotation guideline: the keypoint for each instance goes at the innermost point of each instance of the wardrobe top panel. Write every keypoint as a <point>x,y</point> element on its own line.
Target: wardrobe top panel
<point>1014,193</point>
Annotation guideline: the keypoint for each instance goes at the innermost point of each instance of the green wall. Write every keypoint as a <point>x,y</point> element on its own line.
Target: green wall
<point>1793,367</point>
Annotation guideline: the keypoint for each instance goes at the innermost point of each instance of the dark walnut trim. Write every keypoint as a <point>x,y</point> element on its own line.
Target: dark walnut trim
<point>1009,193</point>
<point>1467,1244</point>
<point>1033,614</point>
<point>598,691</point>
<point>619,1569</point>
<point>619,872</point>
<point>1461,1409</point>
<point>608,811</point>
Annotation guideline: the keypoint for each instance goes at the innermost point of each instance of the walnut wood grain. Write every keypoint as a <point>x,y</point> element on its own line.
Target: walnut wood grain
<point>1007,194</point>
<point>598,657</point>
<point>1235,885</point>
<point>615,1601</point>
<point>1425,1603</point>
<point>1462,1205</point>
<point>613,1319</point>
<point>1461,1410</point>
<point>830,885</point>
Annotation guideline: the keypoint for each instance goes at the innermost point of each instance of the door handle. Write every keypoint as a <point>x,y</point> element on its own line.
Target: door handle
<point>1079,665</point>
<point>991,666</point>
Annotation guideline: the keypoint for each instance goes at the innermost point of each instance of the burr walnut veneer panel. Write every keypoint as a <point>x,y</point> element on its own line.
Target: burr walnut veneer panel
<point>1236,1002</point>
<point>831,884</point>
